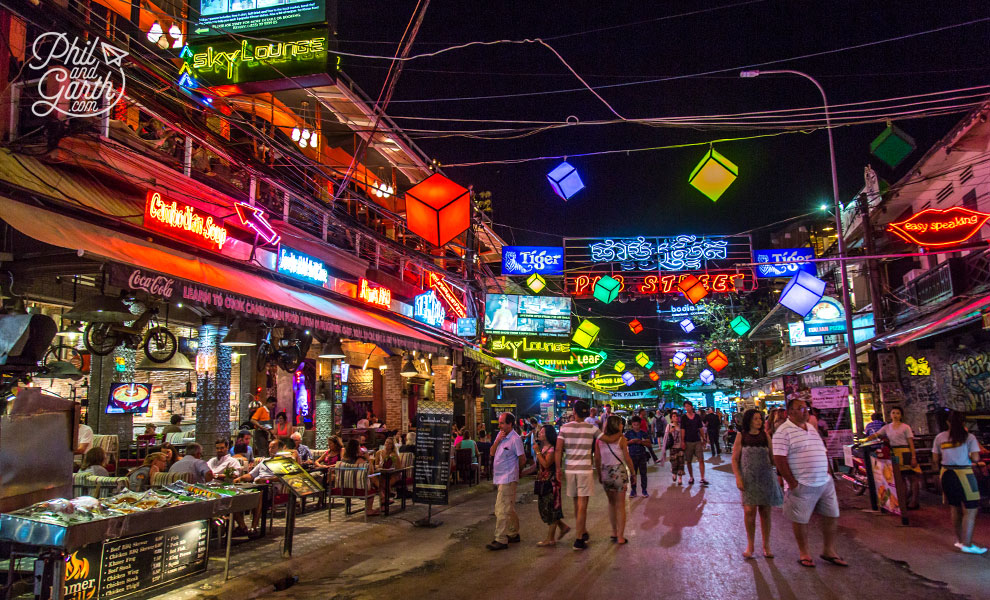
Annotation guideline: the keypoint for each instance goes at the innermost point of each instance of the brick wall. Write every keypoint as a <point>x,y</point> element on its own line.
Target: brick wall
<point>393,392</point>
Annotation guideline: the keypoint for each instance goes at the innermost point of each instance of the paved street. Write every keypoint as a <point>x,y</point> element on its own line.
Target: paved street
<point>683,542</point>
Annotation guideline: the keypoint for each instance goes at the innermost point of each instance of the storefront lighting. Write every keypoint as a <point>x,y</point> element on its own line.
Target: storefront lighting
<point>620,366</point>
<point>408,369</point>
<point>490,381</point>
<point>707,377</point>
<point>802,293</point>
<point>382,190</point>
<point>642,359</point>
<point>586,334</point>
<point>332,349</point>
<point>178,362</point>
<point>717,360</point>
<point>740,325</point>
<point>100,309</point>
<point>536,283</point>
<point>713,175</point>
<point>239,336</point>
<point>687,325</point>
<point>692,288</point>
<point>635,326</point>
<point>565,181</point>
<point>607,289</point>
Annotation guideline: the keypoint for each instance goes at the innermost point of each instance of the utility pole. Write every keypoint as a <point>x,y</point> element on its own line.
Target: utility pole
<point>872,267</point>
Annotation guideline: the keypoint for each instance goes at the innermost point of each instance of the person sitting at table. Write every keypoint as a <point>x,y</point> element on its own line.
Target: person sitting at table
<point>193,464</point>
<point>305,454</point>
<point>410,445</point>
<point>173,426</point>
<point>483,436</point>
<point>171,455</point>
<point>244,437</point>
<point>150,429</point>
<point>140,478</point>
<point>94,462</point>
<point>388,457</point>
<point>354,457</point>
<point>282,428</point>
<point>223,460</point>
<point>240,454</point>
<point>363,422</point>
<point>467,443</point>
<point>335,449</point>
<point>372,419</point>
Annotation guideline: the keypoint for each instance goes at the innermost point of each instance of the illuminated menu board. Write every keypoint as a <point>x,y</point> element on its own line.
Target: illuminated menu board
<point>221,17</point>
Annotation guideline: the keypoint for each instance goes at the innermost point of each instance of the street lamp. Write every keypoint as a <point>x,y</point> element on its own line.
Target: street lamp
<point>846,300</point>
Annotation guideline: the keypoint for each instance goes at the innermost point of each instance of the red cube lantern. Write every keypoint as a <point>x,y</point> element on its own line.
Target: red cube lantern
<point>438,210</point>
<point>654,376</point>
<point>717,360</point>
<point>692,289</point>
<point>635,326</point>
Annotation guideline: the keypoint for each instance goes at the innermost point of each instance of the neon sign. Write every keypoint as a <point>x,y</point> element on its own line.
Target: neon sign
<point>934,228</point>
<point>526,347</point>
<point>255,219</point>
<point>918,366</point>
<point>680,253</point>
<point>789,261</point>
<point>183,221</point>
<point>447,295</point>
<point>427,309</point>
<point>523,260</point>
<point>581,360</point>
<point>607,382</point>
<point>379,296</point>
<point>279,56</point>
<point>301,266</point>
<point>719,283</point>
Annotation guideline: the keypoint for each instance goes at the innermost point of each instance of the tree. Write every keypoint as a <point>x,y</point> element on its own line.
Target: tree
<point>717,333</point>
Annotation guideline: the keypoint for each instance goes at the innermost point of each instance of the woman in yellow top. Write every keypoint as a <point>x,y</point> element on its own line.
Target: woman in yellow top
<point>901,439</point>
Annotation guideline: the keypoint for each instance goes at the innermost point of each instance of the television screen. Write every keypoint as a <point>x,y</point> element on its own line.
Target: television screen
<point>224,17</point>
<point>129,398</point>
<point>521,315</point>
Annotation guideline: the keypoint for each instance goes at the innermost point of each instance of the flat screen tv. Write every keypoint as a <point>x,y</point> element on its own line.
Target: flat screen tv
<point>129,398</point>
<point>528,315</point>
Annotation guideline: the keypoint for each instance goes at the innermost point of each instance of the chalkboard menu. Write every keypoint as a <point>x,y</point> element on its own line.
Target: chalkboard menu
<point>294,476</point>
<point>432,467</point>
<point>125,566</point>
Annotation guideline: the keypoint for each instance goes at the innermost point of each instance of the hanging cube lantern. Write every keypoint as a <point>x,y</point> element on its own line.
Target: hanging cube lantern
<point>680,367</point>
<point>679,359</point>
<point>648,365</point>
<point>802,293</point>
<point>635,326</point>
<point>607,289</point>
<point>642,358</point>
<point>536,282</point>
<point>707,377</point>
<point>692,289</point>
<point>654,376</point>
<point>717,360</point>
<point>740,325</point>
<point>679,374</point>
<point>437,209</point>
<point>713,175</point>
<point>687,325</point>
<point>586,334</point>
<point>620,366</point>
<point>628,378</point>
<point>892,146</point>
<point>564,180</point>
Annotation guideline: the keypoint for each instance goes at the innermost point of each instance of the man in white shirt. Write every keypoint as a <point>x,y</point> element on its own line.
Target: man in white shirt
<point>223,460</point>
<point>84,441</point>
<point>800,456</point>
<point>509,457</point>
<point>592,419</point>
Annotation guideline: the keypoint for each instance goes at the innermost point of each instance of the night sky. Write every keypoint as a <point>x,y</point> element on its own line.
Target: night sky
<point>647,192</point>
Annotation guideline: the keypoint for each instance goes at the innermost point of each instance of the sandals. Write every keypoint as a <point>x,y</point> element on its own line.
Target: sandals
<point>563,532</point>
<point>835,560</point>
<point>806,562</point>
<point>546,543</point>
<point>767,554</point>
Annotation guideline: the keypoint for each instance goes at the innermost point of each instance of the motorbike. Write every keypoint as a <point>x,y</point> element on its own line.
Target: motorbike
<point>856,472</point>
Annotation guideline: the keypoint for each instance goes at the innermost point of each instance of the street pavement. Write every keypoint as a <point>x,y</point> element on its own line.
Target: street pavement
<point>684,542</point>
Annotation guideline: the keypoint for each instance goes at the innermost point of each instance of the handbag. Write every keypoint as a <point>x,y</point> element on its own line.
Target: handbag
<point>542,487</point>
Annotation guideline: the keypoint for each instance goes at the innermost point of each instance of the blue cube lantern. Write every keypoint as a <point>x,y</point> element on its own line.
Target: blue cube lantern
<point>564,180</point>
<point>707,377</point>
<point>687,325</point>
<point>802,293</point>
<point>628,378</point>
<point>679,359</point>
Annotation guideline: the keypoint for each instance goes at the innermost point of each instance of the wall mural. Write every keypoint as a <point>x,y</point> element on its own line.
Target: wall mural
<point>959,379</point>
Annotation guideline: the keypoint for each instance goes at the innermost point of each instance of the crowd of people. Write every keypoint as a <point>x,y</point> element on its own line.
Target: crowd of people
<point>778,459</point>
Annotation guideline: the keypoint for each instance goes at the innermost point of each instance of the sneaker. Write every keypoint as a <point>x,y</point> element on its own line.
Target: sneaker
<point>632,494</point>
<point>496,545</point>
<point>646,494</point>
<point>585,537</point>
<point>579,544</point>
<point>973,549</point>
<point>514,539</point>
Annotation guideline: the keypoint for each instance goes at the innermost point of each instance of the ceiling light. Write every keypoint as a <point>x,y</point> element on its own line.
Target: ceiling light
<point>332,349</point>
<point>408,369</point>
<point>238,336</point>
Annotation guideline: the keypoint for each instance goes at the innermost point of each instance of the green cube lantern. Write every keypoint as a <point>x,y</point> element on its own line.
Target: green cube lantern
<point>586,334</point>
<point>607,289</point>
<point>620,366</point>
<point>713,175</point>
<point>648,365</point>
<point>740,325</point>
<point>892,146</point>
<point>536,283</point>
<point>642,359</point>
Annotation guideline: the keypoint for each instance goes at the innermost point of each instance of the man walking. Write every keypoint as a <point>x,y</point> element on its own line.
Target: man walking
<point>575,444</point>
<point>509,457</point>
<point>638,441</point>
<point>801,459</point>
<point>593,418</point>
<point>713,423</point>
<point>694,441</point>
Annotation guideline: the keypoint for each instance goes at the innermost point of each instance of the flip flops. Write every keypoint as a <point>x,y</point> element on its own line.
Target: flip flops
<point>835,560</point>
<point>806,562</point>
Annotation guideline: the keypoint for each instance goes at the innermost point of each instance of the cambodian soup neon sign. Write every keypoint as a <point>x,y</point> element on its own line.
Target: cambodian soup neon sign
<point>183,221</point>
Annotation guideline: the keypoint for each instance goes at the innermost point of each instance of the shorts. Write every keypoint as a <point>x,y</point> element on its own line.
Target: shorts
<point>805,499</point>
<point>615,478</point>
<point>579,483</point>
<point>693,450</point>
<point>959,487</point>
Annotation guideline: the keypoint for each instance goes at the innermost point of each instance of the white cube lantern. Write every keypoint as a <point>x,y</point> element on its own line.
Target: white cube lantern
<point>679,358</point>
<point>707,377</point>
<point>802,293</point>
<point>688,325</point>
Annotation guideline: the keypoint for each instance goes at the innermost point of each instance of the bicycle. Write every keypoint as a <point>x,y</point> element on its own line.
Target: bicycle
<point>159,343</point>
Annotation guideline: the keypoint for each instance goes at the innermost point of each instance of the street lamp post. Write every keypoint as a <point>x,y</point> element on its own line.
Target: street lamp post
<point>846,296</point>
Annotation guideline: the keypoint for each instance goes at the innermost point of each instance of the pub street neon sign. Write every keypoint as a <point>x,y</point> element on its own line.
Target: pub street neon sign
<point>447,295</point>
<point>935,228</point>
<point>379,296</point>
<point>183,221</point>
<point>581,360</point>
<point>254,218</point>
<point>721,283</point>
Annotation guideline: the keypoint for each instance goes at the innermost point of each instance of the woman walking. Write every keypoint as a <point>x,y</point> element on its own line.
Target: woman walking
<point>901,439</point>
<point>752,463</point>
<point>547,486</point>
<point>614,464</point>
<point>673,445</point>
<point>956,450</point>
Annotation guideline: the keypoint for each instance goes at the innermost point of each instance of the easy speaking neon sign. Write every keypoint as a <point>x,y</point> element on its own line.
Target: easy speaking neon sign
<point>183,221</point>
<point>379,296</point>
<point>934,228</point>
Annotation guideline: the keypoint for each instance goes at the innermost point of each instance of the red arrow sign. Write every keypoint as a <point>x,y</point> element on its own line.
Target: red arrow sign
<point>255,218</point>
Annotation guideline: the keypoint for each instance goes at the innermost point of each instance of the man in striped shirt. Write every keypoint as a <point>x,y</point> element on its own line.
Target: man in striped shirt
<point>575,444</point>
<point>800,456</point>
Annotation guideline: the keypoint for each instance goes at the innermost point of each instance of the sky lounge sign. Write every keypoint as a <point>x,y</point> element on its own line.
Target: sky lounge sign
<point>77,78</point>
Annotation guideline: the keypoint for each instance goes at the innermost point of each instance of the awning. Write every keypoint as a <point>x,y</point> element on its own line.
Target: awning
<point>518,369</point>
<point>211,284</point>
<point>951,317</point>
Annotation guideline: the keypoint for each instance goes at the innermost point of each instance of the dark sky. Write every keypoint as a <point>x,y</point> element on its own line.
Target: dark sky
<point>647,192</point>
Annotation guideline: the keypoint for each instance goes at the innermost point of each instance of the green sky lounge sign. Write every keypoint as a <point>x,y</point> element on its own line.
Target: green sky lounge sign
<point>581,360</point>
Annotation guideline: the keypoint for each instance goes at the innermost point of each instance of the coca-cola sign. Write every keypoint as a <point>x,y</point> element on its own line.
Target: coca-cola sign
<point>156,285</point>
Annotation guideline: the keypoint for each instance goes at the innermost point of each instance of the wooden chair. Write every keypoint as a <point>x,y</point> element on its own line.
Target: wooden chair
<point>465,468</point>
<point>485,459</point>
<point>352,482</point>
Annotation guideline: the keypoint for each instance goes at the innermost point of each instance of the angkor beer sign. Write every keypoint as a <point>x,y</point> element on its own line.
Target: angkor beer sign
<point>76,78</point>
<point>182,221</point>
<point>934,228</point>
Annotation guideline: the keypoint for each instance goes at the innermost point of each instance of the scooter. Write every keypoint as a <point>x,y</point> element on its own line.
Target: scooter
<point>856,473</point>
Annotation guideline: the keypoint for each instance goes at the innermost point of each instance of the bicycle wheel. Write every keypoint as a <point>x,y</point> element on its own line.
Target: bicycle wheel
<point>100,339</point>
<point>63,352</point>
<point>160,344</point>
<point>289,358</point>
<point>264,355</point>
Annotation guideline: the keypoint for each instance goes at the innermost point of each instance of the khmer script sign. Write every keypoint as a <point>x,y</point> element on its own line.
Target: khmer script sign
<point>77,78</point>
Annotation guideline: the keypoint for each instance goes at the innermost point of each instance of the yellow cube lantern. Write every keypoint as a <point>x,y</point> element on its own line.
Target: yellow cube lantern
<point>536,283</point>
<point>586,334</point>
<point>713,175</point>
